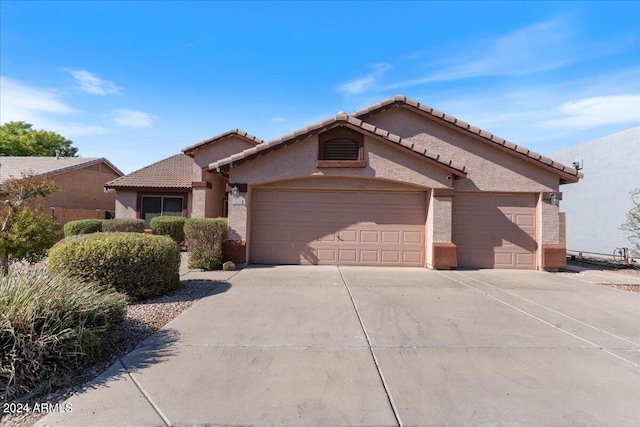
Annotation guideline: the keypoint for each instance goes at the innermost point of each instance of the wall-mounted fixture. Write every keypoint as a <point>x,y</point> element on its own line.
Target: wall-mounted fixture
<point>577,165</point>
<point>235,191</point>
<point>554,199</point>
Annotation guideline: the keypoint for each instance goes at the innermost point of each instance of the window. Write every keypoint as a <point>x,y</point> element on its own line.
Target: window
<point>340,147</point>
<point>153,206</point>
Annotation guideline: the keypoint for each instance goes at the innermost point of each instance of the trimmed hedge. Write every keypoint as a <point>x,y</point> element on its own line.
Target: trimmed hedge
<point>82,226</point>
<point>205,237</point>
<point>128,225</point>
<point>49,326</point>
<point>172,226</point>
<point>140,265</point>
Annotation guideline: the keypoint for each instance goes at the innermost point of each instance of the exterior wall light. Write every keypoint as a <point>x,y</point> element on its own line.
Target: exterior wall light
<point>554,199</point>
<point>235,191</point>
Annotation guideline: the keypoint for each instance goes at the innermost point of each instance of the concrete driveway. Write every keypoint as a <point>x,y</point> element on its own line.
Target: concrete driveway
<point>358,346</point>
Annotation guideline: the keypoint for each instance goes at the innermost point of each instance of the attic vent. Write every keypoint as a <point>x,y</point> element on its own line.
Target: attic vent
<point>341,149</point>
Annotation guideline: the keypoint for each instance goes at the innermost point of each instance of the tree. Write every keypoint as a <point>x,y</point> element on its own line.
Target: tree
<point>632,226</point>
<point>25,232</point>
<point>20,139</point>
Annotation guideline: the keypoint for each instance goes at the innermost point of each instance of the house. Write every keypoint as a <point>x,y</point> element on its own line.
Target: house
<point>80,181</point>
<point>397,184</point>
<point>597,207</point>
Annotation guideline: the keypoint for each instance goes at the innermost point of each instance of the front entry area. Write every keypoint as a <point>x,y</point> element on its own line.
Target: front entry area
<point>338,227</point>
<point>495,230</point>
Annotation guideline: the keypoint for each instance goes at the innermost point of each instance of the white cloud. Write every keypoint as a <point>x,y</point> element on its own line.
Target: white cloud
<point>538,47</point>
<point>21,102</point>
<point>277,120</point>
<point>43,108</point>
<point>90,83</point>
<point>132,118</point>
<point>597,111</point>
<point>366,82</point>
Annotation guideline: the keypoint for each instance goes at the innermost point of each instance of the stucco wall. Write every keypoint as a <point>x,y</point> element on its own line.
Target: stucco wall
<point>83,189</point>
<point>216,151</point>
<point>126,204</point>
<point>489,168</point>
<point>299,160</point>
<point>596,206</point>
<point>386,163</point>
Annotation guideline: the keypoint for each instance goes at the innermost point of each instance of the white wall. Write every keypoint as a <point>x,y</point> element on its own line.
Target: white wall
<point>596,206</point>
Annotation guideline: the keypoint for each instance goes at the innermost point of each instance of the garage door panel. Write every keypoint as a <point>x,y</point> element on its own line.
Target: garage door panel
<point>329,227</point>
<point>495,231</point>
<point>412,237</point>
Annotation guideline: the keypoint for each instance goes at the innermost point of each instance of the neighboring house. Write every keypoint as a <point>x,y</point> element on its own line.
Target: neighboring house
<point>397,183</point>
<point>80,181</point>
<point>597,207</point>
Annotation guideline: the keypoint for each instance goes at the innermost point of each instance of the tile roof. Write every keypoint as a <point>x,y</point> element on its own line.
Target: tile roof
<point>233,132</point>
<point>519,150</point>
<point>43,166</point>
<point>173,172</point>
<point>340,118</point>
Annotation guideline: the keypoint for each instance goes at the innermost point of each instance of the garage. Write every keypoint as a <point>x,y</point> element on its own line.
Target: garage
<point>495,231</point>
<point>338,227</point>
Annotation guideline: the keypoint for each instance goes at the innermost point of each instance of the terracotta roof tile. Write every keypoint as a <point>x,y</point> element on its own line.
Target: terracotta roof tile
<point>341,117</point>
<point>172,172</point>
<point>44,166</point>
<point>233,132</point>
<point>401,100</point>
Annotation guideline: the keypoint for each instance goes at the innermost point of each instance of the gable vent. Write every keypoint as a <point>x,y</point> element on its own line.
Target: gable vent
<point>341,149</point>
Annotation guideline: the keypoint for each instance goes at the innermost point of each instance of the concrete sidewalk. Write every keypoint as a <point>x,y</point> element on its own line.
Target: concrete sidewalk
<point>358,346</point>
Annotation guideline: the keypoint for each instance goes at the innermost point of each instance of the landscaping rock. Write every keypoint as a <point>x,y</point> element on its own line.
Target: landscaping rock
<point>228,266</point>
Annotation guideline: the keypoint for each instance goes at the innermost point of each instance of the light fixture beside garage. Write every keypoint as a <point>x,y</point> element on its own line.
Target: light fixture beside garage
<point>554,199</point>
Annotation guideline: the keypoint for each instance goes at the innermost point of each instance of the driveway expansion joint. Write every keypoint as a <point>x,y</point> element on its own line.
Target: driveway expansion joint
<point>145,394</point>
<point>546,308</point>
<point>597,346</point>
<point>373,354</point>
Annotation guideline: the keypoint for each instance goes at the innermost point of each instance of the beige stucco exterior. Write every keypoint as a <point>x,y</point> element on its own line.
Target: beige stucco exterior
<point>402,148</point>
<point>489,170</point>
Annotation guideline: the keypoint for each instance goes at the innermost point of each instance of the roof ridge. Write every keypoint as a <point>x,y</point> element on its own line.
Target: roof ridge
<point>488,136</point>
<point>235,131</point>
<point>318,126</point>
<point>145,167</point>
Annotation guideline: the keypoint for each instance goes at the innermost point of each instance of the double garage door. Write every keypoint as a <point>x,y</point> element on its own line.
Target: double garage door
<point>388,228</point>
<point>338,227</point>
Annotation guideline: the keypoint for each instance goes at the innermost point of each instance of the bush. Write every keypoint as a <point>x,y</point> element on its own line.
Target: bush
<point>49,325</point>
<point>205,237</point>
<point>82,226</point>
<point>140,265</point>
<point>127,225</point>
<point>172,226</point>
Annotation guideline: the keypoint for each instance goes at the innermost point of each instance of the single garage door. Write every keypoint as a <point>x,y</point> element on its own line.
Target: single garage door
<point>495,231</point>
<point>338,227</point>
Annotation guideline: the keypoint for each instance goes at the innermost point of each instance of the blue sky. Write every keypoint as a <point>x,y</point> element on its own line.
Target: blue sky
<point>137,81</point>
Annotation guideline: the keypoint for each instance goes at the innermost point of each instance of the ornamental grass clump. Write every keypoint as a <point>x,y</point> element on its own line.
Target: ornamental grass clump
<point>205,237</point>
<point>137,264</point>
<point>49,326</point>
<point>172,226</point>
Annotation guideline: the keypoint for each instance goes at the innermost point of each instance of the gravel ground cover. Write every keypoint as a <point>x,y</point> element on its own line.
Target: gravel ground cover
<point>600,264</point>
<point>141,320</point>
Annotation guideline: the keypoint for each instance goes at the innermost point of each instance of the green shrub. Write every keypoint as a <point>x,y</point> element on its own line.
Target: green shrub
<point>82,226</point>
<point>128,225</point>
<point>172,226</point>
<point>140,265</point>
<point>205,237</point>
<point>49,325</point>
